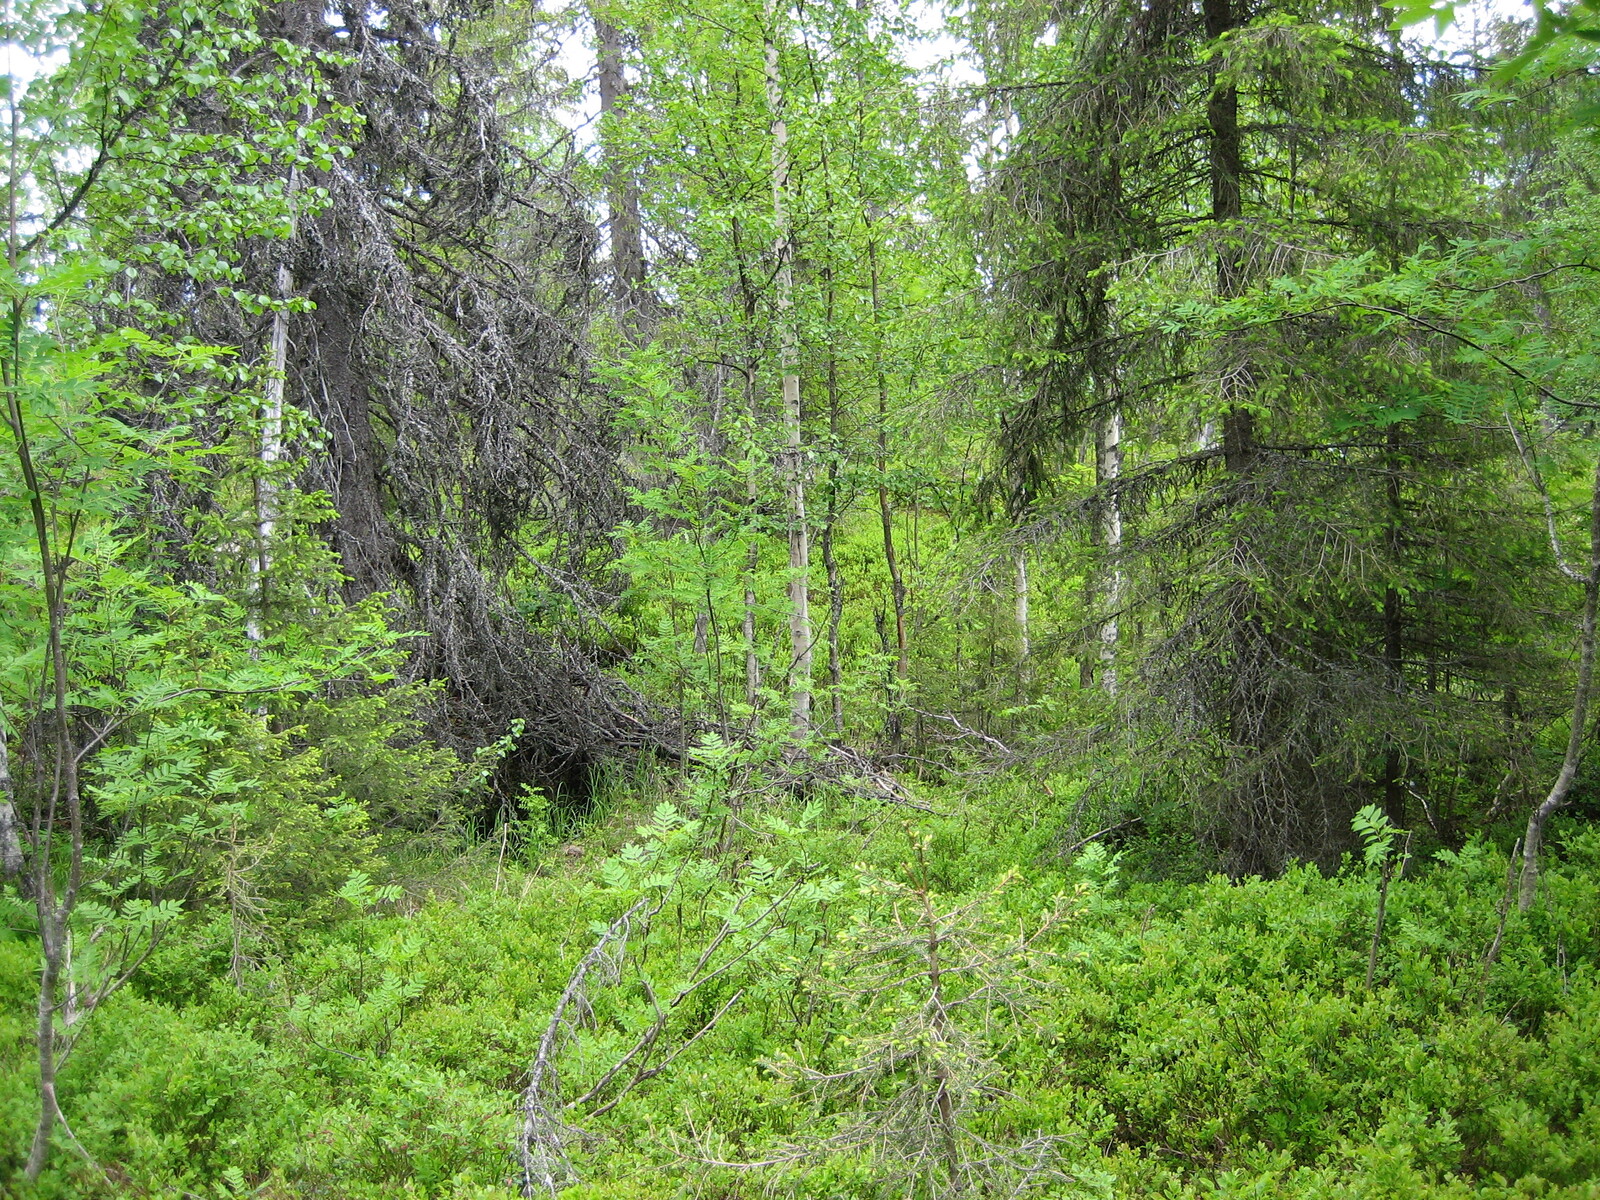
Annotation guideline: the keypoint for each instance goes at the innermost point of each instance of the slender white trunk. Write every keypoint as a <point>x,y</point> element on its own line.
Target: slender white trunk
<point>897,587</point>
<point>752,661</point>
<point>1588,635</point>
<point>1110,473</point>
<point>270,449</point>
<point>800,632</point>
<point>1024,642</point>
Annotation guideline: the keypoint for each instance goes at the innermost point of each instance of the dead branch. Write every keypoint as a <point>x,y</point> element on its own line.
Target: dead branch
<point>541,1145</point>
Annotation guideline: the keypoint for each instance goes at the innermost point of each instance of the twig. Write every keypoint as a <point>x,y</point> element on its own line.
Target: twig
<point>645,1075</point>
<point>1390,869</point>
<point>1532,464</point>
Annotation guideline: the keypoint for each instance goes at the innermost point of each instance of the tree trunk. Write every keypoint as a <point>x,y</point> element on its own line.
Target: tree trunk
<point>11,859</point>
<point>1024,640</point>
<point>891,562</point>
<point>1247,715</point>
<point>53,907</point>
<point>362,532</point>
<point>270,449</point>
<point>800,632</point>
<point>1226,153</point>
<point>835,616</point>
<point>624,225</point>
<point>1394,795</point>
<point>1561,791</point>
<point>752,660</point>
<point>1089,656</point>
<point>747,628</point>
<point>1110,471</point>
<point>829,561</point>
<point>50,946</point>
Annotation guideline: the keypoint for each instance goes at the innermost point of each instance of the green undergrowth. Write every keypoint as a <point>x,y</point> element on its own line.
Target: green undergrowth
<point>784,1032</point>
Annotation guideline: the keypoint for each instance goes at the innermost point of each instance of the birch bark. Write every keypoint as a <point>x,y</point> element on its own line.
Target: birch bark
<point>1110,469</point>
<point>800,631</point>
<point>270,448</point>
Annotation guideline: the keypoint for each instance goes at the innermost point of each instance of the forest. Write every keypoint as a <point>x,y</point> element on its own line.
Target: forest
<point>815,599</point>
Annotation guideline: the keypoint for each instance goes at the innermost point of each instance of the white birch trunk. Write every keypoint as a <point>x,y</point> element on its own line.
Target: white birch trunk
<point>270,449</point>
<point>1110,472</point>
<point>1024,640</point>
<point>800,632</point>
<point>1588,635</point>
<point>752,661</point>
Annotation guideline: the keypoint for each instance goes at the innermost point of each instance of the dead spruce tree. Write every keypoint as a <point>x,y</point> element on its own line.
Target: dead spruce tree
<point>442,355</point>
<point>648,991</point>
<point>924,995</point>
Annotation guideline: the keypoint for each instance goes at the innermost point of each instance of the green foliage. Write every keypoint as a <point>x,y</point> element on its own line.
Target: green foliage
<point>1350,441</point>
<point>1377,834</point>
<point>1206,1039</point>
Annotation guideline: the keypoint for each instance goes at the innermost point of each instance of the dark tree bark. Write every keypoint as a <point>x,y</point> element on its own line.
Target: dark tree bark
<point>354,463</point>
<point>624,225</point>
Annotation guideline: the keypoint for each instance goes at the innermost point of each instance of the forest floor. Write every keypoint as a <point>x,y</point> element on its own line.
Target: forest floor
<point>846,999</point>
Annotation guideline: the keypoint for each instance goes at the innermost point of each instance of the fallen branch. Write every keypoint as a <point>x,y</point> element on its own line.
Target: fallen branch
<point>541,1145</point>
<point>967,731</point>
<point>1082,842</point>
